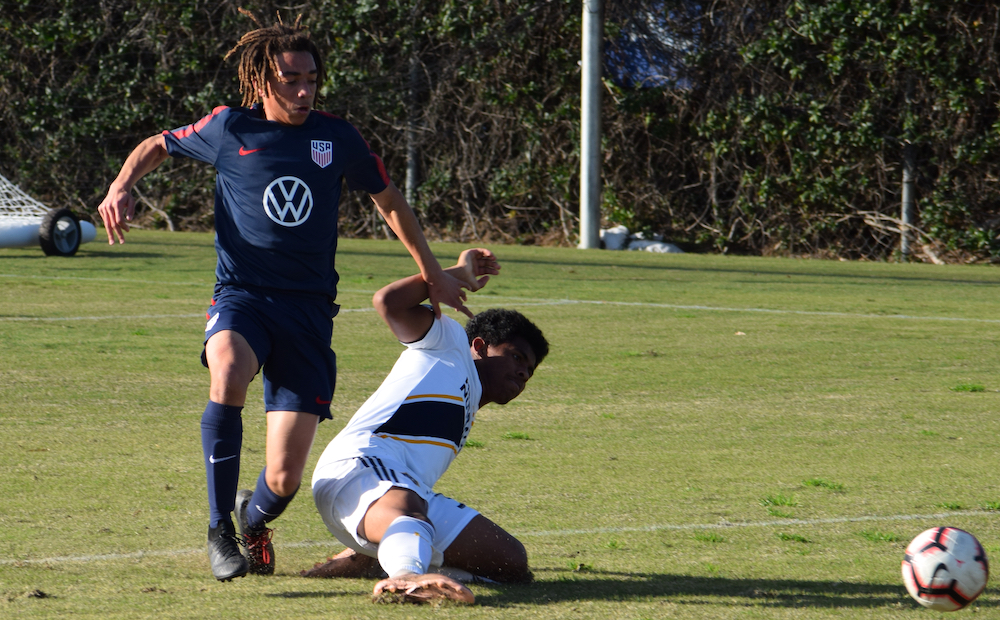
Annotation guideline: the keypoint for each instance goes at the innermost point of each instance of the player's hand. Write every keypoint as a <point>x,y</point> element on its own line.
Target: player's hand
<point>472,272</point>
<point>447,289</point>
<point>117,210</point>
<point>475,266</point>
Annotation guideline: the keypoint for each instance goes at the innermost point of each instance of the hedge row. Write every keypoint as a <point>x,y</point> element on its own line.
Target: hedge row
<point>747,126</point>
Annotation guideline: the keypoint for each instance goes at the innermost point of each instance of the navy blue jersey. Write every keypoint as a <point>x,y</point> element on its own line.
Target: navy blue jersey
<point>277,193</point>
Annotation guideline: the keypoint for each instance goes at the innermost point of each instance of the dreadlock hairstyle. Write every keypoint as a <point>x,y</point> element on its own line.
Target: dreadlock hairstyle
<point>258,48</point>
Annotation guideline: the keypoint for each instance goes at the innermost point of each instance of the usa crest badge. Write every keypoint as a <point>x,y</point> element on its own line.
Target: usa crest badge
<point>322,152</point>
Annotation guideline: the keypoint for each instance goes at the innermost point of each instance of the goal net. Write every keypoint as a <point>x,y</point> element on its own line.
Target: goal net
<point>25,222</point>
<point>15,204</point>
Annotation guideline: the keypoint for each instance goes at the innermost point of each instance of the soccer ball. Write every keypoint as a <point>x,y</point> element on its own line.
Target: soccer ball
<point>945,568</point>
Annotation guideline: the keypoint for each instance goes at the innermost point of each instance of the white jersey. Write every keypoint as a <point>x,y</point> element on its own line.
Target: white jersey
<point>422,413</point>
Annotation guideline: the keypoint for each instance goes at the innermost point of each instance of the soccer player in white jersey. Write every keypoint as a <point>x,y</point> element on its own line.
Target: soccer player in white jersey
<point>374,483</point>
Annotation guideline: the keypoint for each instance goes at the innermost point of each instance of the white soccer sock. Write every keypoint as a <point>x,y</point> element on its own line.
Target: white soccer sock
<point>406,546</point>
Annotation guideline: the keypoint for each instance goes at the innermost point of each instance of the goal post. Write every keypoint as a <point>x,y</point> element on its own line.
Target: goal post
<point>26,222</point>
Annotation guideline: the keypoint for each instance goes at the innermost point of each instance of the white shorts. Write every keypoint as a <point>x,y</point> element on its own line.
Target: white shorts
<point>346,491</point>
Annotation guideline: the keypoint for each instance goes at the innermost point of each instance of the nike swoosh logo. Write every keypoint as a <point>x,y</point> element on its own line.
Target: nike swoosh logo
<point>322,402</point>
<point>244,151</point>
<point>257,506</point>
<point>214,460</point>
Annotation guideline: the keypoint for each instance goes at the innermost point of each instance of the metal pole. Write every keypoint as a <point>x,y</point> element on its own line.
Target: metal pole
<point>412,156</point>
<point>909,174</point>
<point>909,204</point>
<point>590,125</point>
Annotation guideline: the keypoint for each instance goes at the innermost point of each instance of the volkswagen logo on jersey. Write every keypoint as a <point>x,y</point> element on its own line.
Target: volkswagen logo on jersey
<point>322,152</point>
<point>288,201</point>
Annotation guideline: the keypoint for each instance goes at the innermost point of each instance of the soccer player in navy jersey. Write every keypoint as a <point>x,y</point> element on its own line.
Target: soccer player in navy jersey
<point>280,166</point>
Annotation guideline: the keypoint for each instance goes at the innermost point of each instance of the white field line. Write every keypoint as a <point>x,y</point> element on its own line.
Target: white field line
<point>101,318</point>
<point>523,301</point>
<point>527,301</point>
<point>200,315</point>
<point>137,555</point>
<point>31,277</point>
<point>550,302</point>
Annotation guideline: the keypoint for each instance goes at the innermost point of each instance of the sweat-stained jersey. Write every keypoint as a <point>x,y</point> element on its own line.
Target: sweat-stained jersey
<point>421,414</point>
<point>277,193</point>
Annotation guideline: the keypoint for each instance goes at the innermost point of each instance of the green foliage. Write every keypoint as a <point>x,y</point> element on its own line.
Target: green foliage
<point>793,538</point>
<point>823,483</point>
<point>778,500</point>
<point>876,536</point>
<point>969,387</point>
<point>89,82</point>
<point>782,132</point>
<point>809,144</point>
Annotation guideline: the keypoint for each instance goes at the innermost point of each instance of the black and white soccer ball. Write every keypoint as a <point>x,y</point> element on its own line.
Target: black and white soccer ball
<point>945,568</point>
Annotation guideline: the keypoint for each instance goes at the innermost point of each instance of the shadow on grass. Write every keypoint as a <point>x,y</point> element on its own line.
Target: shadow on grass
<point>612,586</point>
<point>313,594</point>
<point>596,585</point>
<point>119,254</point>
<point>85,254</point>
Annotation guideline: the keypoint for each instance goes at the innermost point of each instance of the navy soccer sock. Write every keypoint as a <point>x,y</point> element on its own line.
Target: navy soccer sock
<point>266,505</point>
<point>221,439</point>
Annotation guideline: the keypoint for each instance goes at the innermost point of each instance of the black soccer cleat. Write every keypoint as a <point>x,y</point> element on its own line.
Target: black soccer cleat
<point>260,551</point>
<point>224,552</point>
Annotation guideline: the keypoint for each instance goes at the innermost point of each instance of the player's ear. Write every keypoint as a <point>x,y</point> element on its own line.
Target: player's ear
<point>478,348</point>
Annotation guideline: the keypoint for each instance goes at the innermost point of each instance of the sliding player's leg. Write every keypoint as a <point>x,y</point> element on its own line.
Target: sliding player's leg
<point>348,564</point>
<point>378,510</point>
<point>399,524</point>
<point>485,549</point>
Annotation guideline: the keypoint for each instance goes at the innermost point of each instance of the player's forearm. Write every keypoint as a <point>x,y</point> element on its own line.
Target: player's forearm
<point>407,293</point>
<point>403,221</point>
<point>399,305</point>
<point>145,158</point>
<point>401,295</point>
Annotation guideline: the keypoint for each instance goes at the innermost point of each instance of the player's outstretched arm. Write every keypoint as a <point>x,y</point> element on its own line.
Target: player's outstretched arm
<point>443,287</point>
<point>118,207</point>
<point>399,303</point>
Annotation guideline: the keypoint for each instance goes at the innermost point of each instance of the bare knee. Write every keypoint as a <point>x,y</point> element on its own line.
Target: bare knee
<point>397,502</point>
<point>232,364</point>
<point>513,566</point>
<point>282,481</point>
<point>228,387</point>
<point>485,549</point>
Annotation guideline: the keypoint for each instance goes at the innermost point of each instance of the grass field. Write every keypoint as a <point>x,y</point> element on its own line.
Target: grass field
<point>710,437</point>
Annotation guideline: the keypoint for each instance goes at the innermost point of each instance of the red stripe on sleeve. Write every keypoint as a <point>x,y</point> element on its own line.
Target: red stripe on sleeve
<point>381,170</point>
<point>184,132</point>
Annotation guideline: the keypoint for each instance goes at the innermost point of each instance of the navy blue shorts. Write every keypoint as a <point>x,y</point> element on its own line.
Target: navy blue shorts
<point>291,336</point>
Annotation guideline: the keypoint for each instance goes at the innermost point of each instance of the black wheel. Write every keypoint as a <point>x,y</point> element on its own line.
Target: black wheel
<point>59,234</point>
